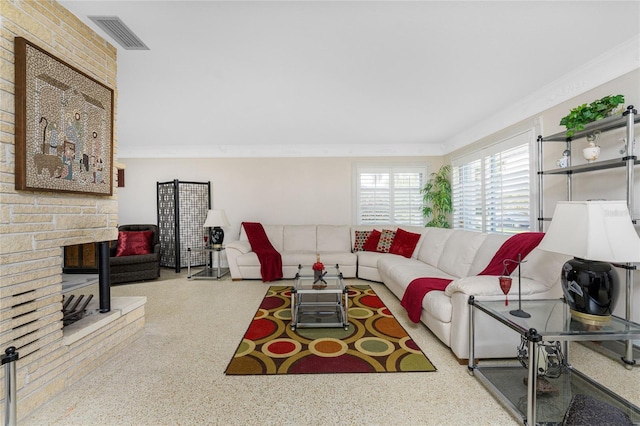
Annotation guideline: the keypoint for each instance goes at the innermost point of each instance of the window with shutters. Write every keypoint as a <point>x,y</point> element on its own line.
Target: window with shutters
<point>389,194</point>
<point>492,187</point>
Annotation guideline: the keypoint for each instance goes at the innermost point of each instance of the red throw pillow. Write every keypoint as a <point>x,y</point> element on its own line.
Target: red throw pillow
<point>134,242</point>
<point>372,241</point>
<point>386,238</point>
<point>404,243</point>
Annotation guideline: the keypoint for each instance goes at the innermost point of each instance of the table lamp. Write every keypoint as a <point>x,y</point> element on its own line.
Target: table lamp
<point>595,233</point>
<point>214,221</point>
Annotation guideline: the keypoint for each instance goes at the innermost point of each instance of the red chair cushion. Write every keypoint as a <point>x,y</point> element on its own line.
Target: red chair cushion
<point>134,242</point>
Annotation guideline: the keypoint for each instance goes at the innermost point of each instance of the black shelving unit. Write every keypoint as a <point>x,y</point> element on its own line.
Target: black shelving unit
<point>182,210</point>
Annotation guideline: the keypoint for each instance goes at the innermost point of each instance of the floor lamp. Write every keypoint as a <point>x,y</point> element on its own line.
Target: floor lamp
<point>595,233</point>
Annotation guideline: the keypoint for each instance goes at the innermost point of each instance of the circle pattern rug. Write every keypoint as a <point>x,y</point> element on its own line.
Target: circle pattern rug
<point>374,342</point>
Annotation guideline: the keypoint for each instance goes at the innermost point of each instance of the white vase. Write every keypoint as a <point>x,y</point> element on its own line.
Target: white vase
<point>591,153</point>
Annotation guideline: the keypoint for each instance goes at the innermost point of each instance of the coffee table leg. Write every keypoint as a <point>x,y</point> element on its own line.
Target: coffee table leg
<point>345,308</point>
<point>294,310</point>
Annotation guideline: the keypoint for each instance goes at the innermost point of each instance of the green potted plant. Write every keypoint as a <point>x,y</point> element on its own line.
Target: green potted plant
<point>596,110</point>
<point>436,195</point>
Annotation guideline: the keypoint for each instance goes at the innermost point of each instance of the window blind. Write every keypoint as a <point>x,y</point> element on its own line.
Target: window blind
<point>389,194</point>
<point>492,187</point>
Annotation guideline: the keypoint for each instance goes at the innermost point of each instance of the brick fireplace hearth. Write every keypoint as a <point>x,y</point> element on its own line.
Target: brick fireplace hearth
<point>35,226</point>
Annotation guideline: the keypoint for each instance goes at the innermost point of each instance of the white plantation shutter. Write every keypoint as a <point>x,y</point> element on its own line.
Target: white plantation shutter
<point>389,195</point>
<point>407,199</point>
<point>466,185</point>
<point>492,188</point>
<point>507,191</point>
<point>374,198</point>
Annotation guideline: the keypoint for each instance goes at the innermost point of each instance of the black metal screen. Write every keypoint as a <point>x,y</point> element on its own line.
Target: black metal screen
<point>182,210</point>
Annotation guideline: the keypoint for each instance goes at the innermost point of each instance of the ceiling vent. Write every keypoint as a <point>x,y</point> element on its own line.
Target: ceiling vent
<point>114,26</point>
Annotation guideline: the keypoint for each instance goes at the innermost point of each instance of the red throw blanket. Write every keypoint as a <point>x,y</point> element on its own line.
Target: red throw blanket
<point>270,259</point>
<point>415,293</point>
<point>518,244</point>
<point>521,244</point>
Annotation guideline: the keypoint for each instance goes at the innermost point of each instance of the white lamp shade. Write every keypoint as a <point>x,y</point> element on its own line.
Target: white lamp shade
<point>593,230</point>
<point>216,218</point>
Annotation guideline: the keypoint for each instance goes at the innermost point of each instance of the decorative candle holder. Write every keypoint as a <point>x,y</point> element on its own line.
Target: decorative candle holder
<point>516,312</point>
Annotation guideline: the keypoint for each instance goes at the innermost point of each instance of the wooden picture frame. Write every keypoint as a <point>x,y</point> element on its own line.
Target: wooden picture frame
<point>64,126</point>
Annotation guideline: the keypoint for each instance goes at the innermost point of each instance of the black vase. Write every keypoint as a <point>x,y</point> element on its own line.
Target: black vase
<point>590,289</point>
<point>217,236</point>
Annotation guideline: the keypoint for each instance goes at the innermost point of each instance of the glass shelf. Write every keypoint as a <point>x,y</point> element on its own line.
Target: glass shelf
<point>589,167</point>
<point>551,407</point>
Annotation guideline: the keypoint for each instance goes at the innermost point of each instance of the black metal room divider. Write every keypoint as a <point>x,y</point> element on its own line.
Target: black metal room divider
<point>182,210</point>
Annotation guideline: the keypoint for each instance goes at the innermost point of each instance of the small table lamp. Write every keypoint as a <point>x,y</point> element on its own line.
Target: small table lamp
<point>595,233</point>
<point>214,221</point>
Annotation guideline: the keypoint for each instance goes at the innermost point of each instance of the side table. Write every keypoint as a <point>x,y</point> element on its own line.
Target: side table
<point>209,272</point>
<point>550,321</point>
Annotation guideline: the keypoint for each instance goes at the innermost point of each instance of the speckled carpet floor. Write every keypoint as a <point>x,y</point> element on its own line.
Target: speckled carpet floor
<point>174,373</point>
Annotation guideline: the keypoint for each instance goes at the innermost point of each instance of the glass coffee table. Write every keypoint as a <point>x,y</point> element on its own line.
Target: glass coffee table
<point>551,321</point>
<point>319,303</point>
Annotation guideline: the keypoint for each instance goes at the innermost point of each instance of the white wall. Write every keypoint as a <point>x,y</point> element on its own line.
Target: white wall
<point>271,191</point>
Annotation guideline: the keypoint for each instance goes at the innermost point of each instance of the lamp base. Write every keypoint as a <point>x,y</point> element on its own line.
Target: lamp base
<point>217,236</point>
<point>589,319</point>
<point>589,288</point>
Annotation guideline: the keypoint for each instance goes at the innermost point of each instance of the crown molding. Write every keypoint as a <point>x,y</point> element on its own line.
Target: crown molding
<point>285,151</point>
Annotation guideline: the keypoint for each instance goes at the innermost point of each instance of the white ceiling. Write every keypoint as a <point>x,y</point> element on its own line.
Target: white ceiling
<point>343,78</point>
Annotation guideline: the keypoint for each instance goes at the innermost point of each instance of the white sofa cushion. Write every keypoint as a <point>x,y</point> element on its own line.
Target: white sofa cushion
<point>433,245</point>
<point>485,253</point>
<point>293,258</point>
<point>299,238</point>
<point>459,251</point>
<point>406,270</point>
<point>336,238</point>
<point>543,266</point>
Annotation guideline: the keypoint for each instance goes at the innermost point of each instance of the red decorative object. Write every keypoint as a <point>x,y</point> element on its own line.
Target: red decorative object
<point>505,286</point>
<point>318,266</point>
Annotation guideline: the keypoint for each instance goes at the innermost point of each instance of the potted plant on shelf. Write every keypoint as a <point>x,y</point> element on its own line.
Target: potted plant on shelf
<point>587,113</point>
<point>436,195</point>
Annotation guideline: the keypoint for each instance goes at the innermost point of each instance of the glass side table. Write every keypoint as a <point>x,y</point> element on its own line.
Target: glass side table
<point>209,272</point>
<point>550,321</point>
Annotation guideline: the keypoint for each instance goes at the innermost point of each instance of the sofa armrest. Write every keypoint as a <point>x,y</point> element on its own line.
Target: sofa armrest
<point>485,285</point>
<point>234,250</point>
<point>242,246</point>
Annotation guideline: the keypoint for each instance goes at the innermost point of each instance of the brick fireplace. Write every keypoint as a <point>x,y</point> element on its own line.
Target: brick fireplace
<point>35,226</point>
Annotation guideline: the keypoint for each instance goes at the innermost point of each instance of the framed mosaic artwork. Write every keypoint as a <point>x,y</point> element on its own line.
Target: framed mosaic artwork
<point>64,126</point>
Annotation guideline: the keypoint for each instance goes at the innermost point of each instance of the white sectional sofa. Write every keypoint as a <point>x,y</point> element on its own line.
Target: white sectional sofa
<point>298,245</point>
<point>440,253</point>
